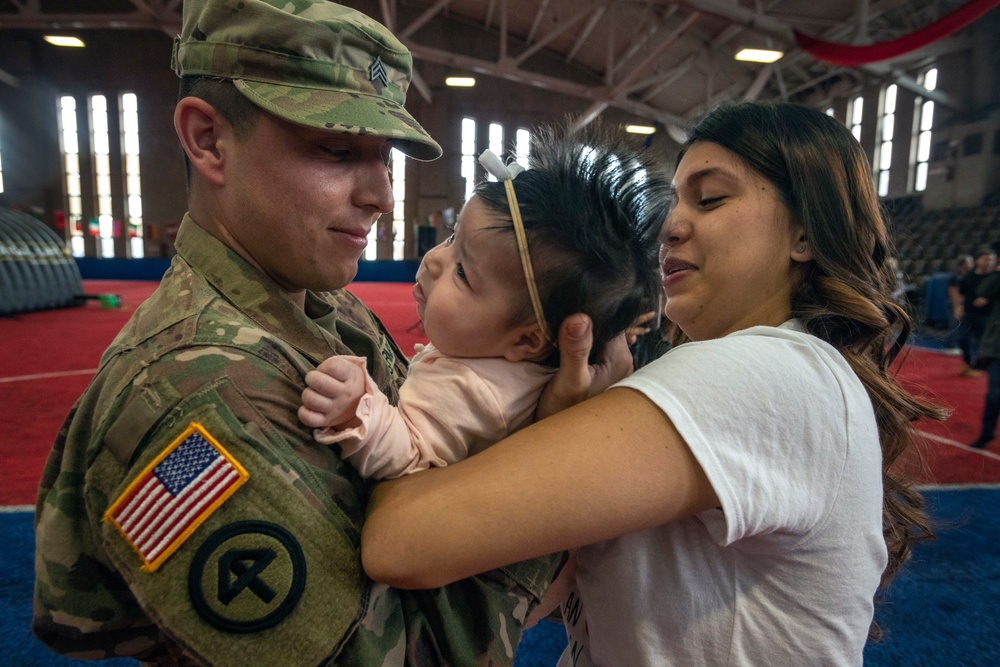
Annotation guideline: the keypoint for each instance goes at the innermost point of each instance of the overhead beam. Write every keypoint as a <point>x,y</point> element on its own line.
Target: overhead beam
<point>388,14</point>
<point>132,21</point>
<point>549,38</point>
<point>587,29</point>
<point>9,79</point>
<point>419,22</point>
<point>755,89</point>
<point>538,19</point>
<point>620,91</point>
<point>503,29</point>
<point>489,15</point>
<point>747,18</point>
<point>421,86</point>
<point>675,73</point>
<point>671,39</point>
<point>507,71</point>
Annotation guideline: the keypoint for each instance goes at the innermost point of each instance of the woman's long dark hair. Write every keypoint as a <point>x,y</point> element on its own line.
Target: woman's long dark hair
<point>845,294</point>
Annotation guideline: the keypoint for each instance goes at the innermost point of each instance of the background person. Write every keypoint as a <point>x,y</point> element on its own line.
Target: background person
<point>963,264</point>
<point>972,317</point>
<point>737,494</point>
<point>184,515</point>
<point>988,297</point>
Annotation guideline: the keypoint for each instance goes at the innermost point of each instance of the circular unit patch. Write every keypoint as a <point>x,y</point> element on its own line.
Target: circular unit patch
<point>247,576</point>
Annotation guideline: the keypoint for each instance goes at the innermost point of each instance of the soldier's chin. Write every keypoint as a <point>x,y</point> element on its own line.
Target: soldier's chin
<point>336,281</point>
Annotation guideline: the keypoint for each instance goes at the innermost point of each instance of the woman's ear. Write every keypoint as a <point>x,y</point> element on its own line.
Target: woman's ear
<point>527,344</point>
<point>801,250</point>
<point>200,129</point>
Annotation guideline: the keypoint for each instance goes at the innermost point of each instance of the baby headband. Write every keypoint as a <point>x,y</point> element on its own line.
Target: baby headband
<point>506,173</point>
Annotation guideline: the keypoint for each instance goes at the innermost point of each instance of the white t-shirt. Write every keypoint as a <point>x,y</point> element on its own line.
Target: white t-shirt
<point>785,572</point>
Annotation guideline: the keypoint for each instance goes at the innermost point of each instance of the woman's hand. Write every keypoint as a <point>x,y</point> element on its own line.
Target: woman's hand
<point>576,380</point>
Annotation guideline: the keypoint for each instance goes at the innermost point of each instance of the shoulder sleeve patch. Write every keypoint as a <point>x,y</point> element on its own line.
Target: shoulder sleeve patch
<point>247,576</point>
<point>175,494</point>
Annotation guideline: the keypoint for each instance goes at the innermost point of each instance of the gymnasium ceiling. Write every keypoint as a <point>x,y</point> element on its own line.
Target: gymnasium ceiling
<point>662,60</point>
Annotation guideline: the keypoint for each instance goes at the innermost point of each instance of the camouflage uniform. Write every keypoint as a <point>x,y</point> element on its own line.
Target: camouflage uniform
<point>185,516</point>
<point>218,344</point>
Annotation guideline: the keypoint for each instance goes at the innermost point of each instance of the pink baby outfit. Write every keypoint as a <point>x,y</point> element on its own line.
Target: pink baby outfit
<point>449,408</point>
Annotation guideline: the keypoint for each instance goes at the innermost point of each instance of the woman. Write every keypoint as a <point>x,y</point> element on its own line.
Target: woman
<point>737,494</point>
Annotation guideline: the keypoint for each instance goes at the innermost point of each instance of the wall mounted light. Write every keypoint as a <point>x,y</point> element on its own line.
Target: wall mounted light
<point>460,81</point>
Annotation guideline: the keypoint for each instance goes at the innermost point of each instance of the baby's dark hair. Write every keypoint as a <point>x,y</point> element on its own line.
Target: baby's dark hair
<point>592,203</point>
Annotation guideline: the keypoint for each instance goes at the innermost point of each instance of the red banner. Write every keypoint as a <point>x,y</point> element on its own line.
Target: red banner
<point>852,55</point>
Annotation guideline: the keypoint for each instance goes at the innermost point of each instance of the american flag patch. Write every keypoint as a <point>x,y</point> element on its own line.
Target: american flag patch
<point>175,493</point>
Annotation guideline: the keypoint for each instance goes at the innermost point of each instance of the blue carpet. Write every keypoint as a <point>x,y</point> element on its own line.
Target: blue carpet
<point>940,611</point>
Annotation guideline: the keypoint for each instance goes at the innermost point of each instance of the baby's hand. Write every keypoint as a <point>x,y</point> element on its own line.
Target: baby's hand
<point>332,393</point>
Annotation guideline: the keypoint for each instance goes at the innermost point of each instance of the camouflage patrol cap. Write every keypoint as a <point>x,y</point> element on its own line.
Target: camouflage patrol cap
<point>310,62</point>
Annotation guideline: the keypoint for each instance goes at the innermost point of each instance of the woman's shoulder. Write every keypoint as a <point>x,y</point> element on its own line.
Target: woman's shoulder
<point>771,362</point>
<point>757,345</point>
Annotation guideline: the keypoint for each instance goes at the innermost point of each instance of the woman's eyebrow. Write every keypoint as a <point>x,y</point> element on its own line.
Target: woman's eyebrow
<point>709,172</point>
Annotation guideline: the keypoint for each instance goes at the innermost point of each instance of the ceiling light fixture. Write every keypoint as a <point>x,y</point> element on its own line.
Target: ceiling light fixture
<point>640,129</point>
<point>460,81</point>
<point>64,40</point>
<point>759,55</point>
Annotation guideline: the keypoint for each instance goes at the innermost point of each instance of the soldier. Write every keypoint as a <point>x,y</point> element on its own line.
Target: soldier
<point>184,515</point>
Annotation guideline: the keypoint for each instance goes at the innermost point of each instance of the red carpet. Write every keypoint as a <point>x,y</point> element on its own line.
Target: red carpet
<point>935,376</point>
<point>48,357</point>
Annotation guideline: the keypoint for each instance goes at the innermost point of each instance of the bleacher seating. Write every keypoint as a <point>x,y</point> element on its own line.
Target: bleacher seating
<point>927,245</point>
<point>928,242</point>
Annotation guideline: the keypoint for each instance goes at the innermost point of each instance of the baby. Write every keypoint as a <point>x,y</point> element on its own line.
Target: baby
<point>576,232</point>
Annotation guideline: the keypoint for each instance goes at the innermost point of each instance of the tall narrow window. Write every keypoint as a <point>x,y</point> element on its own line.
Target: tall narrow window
<point>886,129</point>
<point>469,155</point>
<point>925,121</point>
<point>100,147</point>
<point>855,113</point>
<point>133,187</point>
<point>399,201</point>
<point>522,146</point>
<point>70,144</point>
<point>496,143</point>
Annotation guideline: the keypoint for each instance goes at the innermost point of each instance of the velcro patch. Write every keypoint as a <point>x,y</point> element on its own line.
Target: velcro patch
<point>174,494</point>
<point>247,576</point>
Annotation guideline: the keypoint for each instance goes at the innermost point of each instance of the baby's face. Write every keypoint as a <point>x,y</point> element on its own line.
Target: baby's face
<point>470,291</point>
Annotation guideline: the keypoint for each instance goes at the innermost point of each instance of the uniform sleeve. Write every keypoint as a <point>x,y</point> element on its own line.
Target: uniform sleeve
<point>766,418</point>
<point>214,527</point>
<point>227,532</point>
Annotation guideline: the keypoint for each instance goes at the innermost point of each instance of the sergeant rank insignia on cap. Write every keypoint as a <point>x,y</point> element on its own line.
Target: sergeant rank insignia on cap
<point>174,495</point>
<point>376,72</point>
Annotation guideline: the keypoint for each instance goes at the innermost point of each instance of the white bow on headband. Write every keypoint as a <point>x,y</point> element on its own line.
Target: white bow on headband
<point>496,167</point>
<point>506,173</point>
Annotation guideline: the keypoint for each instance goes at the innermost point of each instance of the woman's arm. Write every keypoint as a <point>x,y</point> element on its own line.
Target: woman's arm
<point>609,466</point>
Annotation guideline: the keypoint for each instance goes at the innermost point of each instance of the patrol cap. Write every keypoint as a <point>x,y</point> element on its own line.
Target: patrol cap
<point>310,62</point>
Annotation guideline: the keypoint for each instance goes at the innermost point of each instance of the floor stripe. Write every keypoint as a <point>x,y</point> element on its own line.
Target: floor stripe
<point>43,376</point>
<point>954,443</point>
<point>958,487</point>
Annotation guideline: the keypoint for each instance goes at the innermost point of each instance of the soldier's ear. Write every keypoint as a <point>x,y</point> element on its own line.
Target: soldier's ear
<point>204,135</point>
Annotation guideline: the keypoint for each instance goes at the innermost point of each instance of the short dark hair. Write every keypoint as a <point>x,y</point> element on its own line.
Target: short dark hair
<point>239,112</point>
<point>592,205</point>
